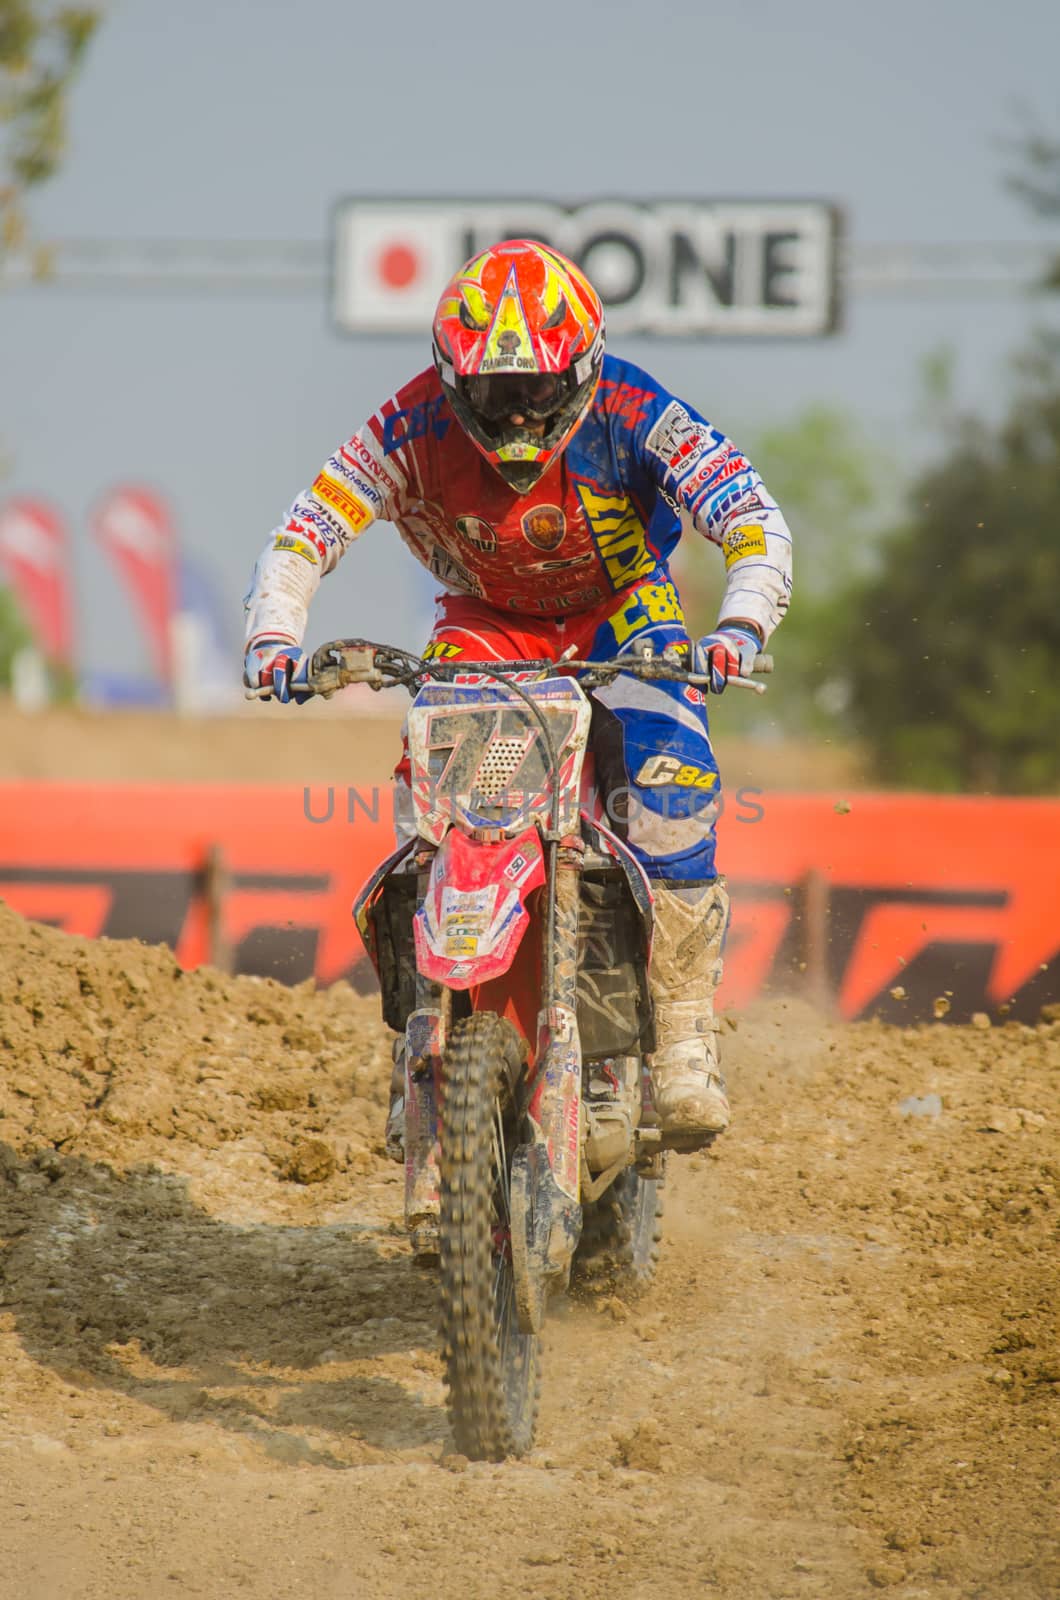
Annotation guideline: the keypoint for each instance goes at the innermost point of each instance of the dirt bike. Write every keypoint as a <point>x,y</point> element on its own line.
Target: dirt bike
<point>511,937</point>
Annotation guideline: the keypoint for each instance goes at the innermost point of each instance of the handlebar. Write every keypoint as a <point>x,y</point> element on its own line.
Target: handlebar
<point>345,661</point>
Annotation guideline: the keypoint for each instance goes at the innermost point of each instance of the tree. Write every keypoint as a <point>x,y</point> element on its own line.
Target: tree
<point>953,646</point>
<point>834,489</point>
<point>1037,180</point>
<point>41,48</point>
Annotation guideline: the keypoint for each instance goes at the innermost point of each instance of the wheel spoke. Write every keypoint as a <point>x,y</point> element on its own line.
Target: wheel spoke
<point>500,1163</point>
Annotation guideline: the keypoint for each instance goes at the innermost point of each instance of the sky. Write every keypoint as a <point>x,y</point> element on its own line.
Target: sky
<point>246,120</point>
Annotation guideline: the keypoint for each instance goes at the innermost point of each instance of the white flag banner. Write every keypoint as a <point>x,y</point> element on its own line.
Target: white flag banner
<point>750,268</point>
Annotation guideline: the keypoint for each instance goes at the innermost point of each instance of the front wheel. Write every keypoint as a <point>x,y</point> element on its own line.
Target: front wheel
<point>491,1367</point>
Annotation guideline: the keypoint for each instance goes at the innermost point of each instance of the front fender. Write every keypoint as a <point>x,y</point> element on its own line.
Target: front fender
<point>474,916</point>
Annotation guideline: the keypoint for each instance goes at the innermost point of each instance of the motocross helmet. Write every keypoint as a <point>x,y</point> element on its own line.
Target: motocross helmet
<point>519,330</point>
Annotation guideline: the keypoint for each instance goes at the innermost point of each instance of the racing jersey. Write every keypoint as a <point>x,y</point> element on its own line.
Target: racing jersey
<point>605,516</point>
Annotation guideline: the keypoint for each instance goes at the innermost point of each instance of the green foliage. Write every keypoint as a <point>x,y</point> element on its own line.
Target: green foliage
<point>953,647</point>
<point>1037,180</point>
<point>835,490</point>
<point>14,635</point>
<point>41,47</point>
<point>830,483</point>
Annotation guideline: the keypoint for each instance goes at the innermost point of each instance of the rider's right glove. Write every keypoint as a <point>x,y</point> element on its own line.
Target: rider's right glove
<point>278,667</point>
<point>728,653</point>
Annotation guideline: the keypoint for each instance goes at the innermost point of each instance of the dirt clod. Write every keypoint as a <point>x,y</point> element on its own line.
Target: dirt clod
<point>642,1448</point>
<point>311,1161</point>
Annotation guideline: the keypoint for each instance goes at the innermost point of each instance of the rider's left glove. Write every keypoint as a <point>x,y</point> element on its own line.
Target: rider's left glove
<point>280,669</point>
<point>727,653</point>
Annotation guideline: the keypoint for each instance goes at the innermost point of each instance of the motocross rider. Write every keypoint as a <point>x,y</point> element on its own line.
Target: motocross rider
<point>545,485</point>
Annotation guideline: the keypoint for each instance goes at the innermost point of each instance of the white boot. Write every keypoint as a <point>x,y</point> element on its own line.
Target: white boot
<point>686,1081</point>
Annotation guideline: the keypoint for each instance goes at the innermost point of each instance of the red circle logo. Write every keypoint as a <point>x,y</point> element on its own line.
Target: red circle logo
<point>398,266</point>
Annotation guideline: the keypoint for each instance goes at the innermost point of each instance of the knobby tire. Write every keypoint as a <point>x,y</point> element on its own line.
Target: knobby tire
<point>492,1369</point>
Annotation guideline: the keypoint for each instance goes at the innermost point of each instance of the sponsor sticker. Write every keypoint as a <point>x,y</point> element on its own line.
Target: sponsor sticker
<point>452,573</point>
<point>710,469</point>
<point>358,482</point>
<point>477,532</point>
<point>305,530</point>
<point>678,439</point>
<point>741,505</point>
<point>630,405</point>
<point>716,494</point>
<point>330,529</point>
<point>550,604</point>
<point>659,770</point>
<point>544,527</point>
<point>731,466</point>
<point>531,569</point>
<point>352,511</point>
<point>748,539</point>
<point>619,535</point>
<point>360,455</point>
<point>297,547</point>
<point>403,427</point>
<point>651,602</point>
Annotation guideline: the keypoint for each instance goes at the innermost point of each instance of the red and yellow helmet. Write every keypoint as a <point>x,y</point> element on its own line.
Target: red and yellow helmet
<point>519,331</point>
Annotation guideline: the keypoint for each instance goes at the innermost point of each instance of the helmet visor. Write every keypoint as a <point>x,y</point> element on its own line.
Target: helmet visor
<point>537,395</point>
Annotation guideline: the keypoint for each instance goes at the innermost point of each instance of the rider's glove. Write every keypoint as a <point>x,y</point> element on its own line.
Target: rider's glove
<point>727,653</point>
<point>279,668</point>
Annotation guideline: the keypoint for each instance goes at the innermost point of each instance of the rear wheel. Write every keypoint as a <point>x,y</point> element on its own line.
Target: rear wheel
<point>619,1246</point>
<point>491,1367</point>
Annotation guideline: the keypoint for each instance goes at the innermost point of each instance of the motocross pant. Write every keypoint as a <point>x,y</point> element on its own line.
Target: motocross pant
<point>654,765</point>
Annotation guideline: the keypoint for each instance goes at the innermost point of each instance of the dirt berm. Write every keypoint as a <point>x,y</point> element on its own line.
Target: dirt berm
<point>220,1371</point>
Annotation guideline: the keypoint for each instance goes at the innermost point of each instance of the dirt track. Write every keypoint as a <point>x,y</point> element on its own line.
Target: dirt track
<point>218,1379</point>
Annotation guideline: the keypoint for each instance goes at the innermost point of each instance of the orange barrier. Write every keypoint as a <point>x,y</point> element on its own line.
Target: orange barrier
<point>881,907</point>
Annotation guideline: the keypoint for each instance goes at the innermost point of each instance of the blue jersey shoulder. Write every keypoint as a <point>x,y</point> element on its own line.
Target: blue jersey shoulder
<point>609,445</point>
<point>629,397</point>
<point>633,406</point>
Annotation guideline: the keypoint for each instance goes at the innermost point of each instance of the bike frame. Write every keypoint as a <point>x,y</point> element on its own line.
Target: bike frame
<point>496,756</point>
<point>495,777</point>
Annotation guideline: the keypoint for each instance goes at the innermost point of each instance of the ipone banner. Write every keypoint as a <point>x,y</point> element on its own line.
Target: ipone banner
<point>682,268</point>
<point>889,904</point>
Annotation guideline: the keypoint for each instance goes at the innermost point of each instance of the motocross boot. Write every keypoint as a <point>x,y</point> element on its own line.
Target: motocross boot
<point>394,1136</point>
<point>687,1086</point>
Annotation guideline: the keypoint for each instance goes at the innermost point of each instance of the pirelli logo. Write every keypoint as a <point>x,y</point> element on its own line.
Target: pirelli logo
<point>353,512</point>
<point>619,536</point>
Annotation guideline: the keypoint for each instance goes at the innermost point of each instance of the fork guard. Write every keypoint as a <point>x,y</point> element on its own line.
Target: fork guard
<point>546,1227</point>
<point>473,916</point>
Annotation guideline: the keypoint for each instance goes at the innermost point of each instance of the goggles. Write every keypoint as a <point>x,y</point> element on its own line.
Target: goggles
<point>534,394</point>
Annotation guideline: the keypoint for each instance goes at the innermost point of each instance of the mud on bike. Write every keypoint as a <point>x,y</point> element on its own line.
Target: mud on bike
<point>511,937</point>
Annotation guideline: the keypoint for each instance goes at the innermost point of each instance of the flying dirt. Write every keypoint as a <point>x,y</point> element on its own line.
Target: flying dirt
<point>219,1364</point>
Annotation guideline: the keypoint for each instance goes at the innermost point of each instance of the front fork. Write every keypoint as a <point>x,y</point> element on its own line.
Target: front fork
<point>554,1111</point>
<point>425,1036</point>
